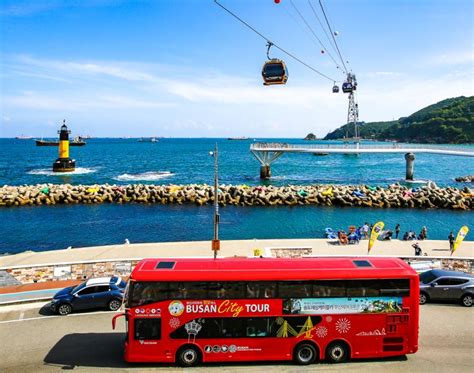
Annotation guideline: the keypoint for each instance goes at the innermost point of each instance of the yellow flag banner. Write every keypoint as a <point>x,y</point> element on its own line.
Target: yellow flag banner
<point>460,237</point>
<point>376,230</point>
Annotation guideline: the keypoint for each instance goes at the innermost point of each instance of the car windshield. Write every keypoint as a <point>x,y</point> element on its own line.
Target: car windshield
<point>78,287</point>
<point>427,277</point>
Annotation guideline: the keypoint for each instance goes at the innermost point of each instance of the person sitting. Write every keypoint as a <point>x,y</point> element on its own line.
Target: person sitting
<point>343,240</point>
<point>387,235</point>
<point>353,238</point>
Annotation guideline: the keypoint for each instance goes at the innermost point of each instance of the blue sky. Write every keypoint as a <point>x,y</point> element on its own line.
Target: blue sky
<point>186,68</point>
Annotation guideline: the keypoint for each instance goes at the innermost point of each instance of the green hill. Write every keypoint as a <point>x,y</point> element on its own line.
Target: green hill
<point>448,121</point>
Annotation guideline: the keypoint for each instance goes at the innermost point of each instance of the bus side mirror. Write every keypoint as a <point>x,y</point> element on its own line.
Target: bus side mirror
<point>114,319</point>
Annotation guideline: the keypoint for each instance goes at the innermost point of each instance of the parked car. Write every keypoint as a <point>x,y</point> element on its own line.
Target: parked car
<point>441,285</point>
<point>104,292</point>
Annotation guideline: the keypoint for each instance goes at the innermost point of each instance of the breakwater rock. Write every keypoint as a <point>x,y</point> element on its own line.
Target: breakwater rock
<point>465,179</point>
<point>393,196</point>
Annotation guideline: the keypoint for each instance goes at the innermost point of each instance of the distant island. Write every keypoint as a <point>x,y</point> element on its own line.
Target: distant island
<point>450,121</point>
<point>310,136</point>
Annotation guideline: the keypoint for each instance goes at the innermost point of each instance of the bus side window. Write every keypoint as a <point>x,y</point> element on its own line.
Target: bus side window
<point>177,290</point>
<point>252,290</point>
<point>261,290</point>
<point>270,290</point>
<point>216,290</point>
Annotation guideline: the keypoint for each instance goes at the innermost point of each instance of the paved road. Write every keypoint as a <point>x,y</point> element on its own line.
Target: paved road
<point>34,340</point>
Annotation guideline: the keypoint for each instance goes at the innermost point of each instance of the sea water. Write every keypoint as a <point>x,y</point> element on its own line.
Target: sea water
<point>187,161</point>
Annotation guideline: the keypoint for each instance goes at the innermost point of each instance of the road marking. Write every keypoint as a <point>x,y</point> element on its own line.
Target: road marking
<point>55,316</point>
<point>22,315</point>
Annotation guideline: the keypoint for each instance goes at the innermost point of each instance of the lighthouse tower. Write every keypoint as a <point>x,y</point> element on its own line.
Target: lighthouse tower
<point>64,163</point>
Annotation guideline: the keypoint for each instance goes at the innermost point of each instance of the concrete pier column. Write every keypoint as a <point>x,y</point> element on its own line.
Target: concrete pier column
<point>410,158</point>
<point>265,172</point>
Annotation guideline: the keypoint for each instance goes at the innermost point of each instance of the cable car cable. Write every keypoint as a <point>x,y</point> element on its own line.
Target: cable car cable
<point>332,34</point>
<point>322,26</point>
<point>314,34</point>
<point>273,44</point>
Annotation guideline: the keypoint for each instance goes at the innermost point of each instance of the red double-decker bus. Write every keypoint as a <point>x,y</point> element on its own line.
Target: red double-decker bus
<point>242,309</point>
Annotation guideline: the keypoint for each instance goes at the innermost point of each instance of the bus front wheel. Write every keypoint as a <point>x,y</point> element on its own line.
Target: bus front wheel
<point>188,356</point>
<point>305,353</point>
<point>337,352</point>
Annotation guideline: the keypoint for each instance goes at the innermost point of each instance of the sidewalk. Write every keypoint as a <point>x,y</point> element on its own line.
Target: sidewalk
<point>228,248</point>
<point>33,292</point>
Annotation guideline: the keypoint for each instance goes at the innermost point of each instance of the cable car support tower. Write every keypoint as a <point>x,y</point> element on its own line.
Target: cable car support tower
<point>353,109</point>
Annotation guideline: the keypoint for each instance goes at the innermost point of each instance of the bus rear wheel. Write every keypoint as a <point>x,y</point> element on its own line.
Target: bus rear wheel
<point>188,356</point>
<point>305,354</point>
<point>337,352</point>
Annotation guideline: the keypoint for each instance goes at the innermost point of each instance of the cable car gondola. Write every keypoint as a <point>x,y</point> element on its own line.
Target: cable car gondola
<point>335,88</point>
<point>347,87</point>
<point>274,71</point>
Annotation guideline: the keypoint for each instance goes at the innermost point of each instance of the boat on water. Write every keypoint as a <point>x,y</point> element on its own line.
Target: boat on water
<point>23,137</point>
<point>238,138</point>
<point>148,139</point>
<point>77,141</point>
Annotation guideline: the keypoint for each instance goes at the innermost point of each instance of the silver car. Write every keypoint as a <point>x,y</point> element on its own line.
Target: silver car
<point>441,285</point>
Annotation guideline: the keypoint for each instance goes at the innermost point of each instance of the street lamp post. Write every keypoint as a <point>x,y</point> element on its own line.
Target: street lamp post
<point>215,241</point>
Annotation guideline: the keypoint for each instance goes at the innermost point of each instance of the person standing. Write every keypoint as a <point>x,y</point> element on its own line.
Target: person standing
<point>423,234</point>
<point>365,229</point>
<point>397,231</point>
<point>451,241</point>
<point>417,248</point>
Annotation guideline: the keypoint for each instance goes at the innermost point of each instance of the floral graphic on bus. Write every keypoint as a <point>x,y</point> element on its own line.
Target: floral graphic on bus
<point>192,328</point>
<point>176,308</point>
<point>174,322</point>
<point>321,331</point>
<point>343,325</point>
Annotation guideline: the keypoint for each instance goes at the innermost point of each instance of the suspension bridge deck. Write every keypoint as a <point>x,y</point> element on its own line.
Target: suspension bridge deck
<point>266,153</point>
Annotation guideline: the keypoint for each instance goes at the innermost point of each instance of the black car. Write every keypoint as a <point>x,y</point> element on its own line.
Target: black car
<point>441,285</point>
<point>105,292</point>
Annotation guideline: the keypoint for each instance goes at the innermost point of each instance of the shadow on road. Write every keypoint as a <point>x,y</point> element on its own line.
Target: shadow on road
<point>46,310</point>
<point>88,350</point>
<point>105,350</point>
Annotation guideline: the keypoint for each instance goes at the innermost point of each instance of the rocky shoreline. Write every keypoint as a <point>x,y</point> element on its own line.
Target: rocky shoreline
<point>393,196</point>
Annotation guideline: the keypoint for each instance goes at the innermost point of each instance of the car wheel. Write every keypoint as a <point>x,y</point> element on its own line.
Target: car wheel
<point>466,300</point>
<point>64,309</point>
<point>305,354</point>
<point>423,298</point>
<point>337,352</point>
<point>188,356</point>
<point>114,305</point>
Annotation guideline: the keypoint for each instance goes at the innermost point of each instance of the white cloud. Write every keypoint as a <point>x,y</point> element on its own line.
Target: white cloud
<point>452,58</point>
<point>171,101</point>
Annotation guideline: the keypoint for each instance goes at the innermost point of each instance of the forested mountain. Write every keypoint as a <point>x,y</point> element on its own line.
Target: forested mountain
<point>448,121</point>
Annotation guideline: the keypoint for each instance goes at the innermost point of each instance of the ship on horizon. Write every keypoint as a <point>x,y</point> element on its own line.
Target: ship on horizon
<point>148,139</point>
<point>238,138</point>
<point>24,137</point>
<point>77,141</point>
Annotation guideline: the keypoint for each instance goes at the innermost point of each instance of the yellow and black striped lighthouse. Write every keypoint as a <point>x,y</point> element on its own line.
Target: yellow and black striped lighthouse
<point>64,163</point>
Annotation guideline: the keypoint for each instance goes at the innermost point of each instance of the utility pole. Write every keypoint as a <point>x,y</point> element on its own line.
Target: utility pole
<point>215,242</point>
